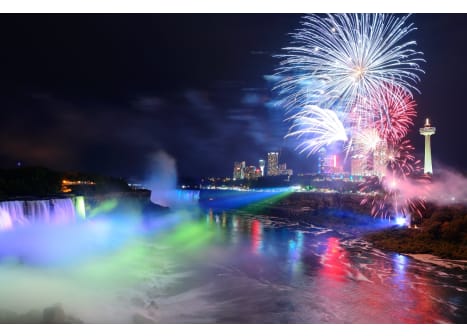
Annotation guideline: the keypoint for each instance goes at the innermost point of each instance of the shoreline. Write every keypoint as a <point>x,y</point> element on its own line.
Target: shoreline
<point>435,260</point>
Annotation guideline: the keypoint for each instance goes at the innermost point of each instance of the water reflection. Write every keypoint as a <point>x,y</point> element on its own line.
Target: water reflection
<point>237,267</point>
<point>334,261</point>
<point>347,283</point>
<point>399,266</point>
<point>416,294</point>
<point>295,249</point>
<point>256,236</point>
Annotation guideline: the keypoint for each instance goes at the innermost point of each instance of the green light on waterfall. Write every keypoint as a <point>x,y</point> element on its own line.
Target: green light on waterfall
<point>80,207</point>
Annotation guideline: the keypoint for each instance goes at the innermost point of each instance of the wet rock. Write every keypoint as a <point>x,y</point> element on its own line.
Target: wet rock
<point>141,319</point>
<point>32,316</point>
<point>7,316</point>
<point>54,314</point>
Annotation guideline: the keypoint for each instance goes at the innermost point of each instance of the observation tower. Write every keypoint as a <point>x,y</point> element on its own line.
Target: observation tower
<point>427,131</point>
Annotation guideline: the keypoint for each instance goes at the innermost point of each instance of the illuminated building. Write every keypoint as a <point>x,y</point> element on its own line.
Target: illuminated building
<point>284,171</point>
<point>359,165</point>
<point>321,155</point>
<point>65,187</point>
<point>262,164</point>
<point>258,173</point>
<point>273,163</point>
<point>239,170</point>
<point>251,172</point>
<point>427,131</point>
<point>380,159</point>
<point>329,164</point>
<point>282,168</point>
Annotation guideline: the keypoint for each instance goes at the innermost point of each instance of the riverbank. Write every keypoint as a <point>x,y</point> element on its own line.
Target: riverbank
<point>442,232</point>
<point>417,242</point>
<point>447,263</point>
<point>50,315</point>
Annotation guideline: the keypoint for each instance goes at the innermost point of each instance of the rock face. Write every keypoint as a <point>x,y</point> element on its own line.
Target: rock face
<point>56,314</point>
<point>53,314</point>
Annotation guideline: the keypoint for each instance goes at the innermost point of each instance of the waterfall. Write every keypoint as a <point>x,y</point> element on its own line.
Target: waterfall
<point>52,211</point>
<point>187,196</point>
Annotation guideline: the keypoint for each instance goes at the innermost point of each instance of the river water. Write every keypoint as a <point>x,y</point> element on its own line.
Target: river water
<point>221,267</point>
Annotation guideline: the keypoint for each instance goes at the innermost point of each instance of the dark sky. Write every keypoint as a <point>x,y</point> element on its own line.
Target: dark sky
<point>102,93</point>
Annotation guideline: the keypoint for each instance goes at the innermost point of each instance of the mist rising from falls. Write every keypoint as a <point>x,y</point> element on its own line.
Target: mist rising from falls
<point>162,179</point>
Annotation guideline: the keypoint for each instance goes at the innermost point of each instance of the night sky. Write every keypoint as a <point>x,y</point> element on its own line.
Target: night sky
<point>102,93</point>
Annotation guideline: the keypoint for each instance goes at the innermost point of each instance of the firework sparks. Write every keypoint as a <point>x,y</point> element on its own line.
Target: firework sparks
<point>366,141</point>
<point>402,190</point>
<point>393,113</point>
<point>320,127</point>
<point>363,67</point>
<point>337,61</point>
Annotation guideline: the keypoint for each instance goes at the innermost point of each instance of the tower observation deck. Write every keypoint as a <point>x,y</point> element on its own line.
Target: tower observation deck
<point>427,131</point>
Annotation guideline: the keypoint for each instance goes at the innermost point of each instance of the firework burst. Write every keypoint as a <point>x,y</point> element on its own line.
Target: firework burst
<point>351,76</point>
<point>321,127</point>
<point>366,141</point>
<point>338,60</point>
<point>392,114</point>
<point>402,189</point>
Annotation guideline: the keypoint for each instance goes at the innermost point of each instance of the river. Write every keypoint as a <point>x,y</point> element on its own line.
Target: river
<point>221,266</point>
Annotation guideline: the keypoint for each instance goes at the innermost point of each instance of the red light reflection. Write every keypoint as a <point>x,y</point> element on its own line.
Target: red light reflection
<point>256,232</point>
<point>334,260</point>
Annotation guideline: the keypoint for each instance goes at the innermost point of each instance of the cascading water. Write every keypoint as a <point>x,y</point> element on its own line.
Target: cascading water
<point>187,196</point>
<point>11,213</point>
<point>52,211</point>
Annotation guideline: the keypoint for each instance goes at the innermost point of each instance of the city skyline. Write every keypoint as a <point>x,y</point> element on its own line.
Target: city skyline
<point>221,169</point>
<point>108,114</point>
<point>271,167</point>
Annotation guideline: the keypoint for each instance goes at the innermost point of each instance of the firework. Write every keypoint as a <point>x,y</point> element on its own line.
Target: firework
<point>366,141</point>
<point>321,127</point>
<point>350,77</point>
<point>337,61</point>
<point>391,114</point>
<point>402,189</point>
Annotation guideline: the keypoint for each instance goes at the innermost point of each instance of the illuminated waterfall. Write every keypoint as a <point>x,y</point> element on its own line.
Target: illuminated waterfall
<point>80,207</point>
<point>52,211</point>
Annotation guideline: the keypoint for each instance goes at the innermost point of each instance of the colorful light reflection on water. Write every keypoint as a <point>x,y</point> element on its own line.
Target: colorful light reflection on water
<point>222,266</point>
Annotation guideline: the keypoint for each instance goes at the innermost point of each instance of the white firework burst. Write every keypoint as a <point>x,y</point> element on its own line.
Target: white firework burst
<point>319,127</point>
<point>338,60</point>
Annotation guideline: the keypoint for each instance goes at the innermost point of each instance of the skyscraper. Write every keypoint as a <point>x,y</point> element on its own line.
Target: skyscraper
<point>262,164</point>
<point>252,173</point>
<point>329,164</point>
<point>427,131</point>
<point>273,163</point>
<point>380,159</point>
<point>239,170</point>
<point>359,165</point>
<point>321,155</point>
